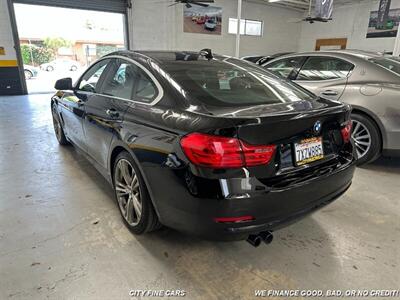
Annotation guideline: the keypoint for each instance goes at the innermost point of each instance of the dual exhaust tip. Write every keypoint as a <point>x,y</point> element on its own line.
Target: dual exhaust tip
<point>256,239</point>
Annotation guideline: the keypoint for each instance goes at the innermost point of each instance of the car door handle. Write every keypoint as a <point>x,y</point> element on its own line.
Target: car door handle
<point>329,93</point>
<point>112,113</point>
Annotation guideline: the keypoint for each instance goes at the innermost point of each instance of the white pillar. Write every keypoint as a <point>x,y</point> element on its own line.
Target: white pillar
<point>396,50</point>
<point>239,17</point>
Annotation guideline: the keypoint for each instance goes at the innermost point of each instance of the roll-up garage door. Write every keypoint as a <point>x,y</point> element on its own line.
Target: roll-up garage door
<point>117,6</point>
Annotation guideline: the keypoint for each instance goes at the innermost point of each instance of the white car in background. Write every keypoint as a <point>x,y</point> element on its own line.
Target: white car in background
<point>30,72</point>
<point>210,24</point>
<point>60,64</point>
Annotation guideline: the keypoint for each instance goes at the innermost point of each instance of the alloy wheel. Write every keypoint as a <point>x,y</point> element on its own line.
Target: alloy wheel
<point>362,138</point>
<point>128,192</point>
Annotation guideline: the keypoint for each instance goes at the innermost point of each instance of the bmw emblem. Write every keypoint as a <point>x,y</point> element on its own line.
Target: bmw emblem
<point>317,127</point>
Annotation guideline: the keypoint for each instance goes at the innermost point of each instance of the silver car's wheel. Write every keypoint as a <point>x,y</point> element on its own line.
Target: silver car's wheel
<point>128,192</point>
<point>28,74</point>
<point>362,138</point>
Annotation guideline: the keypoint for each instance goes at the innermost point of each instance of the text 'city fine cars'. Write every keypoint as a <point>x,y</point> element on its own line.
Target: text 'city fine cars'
<point>206,144</point>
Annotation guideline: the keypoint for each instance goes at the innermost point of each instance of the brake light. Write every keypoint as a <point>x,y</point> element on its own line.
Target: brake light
<point>257,155</point>
<point>223,153</point>
<point>346,131</point>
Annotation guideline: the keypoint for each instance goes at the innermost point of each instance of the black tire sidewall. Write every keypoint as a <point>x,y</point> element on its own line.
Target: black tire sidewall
<point>62,140</point>
<point>143,224</point>
<point>376,142</point>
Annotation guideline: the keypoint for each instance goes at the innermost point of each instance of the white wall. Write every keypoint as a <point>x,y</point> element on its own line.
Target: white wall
<point>156,26</point>
<point>6,37</point>
<point>351,22</point>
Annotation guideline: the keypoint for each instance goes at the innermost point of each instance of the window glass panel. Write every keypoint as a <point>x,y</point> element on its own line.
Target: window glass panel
<point>121,83</point>
<point>285,67</point>
<point>90,79</point>
<point>234,83</point>
<point>145,89</point>
<point>247,27</point>
<point>232,28</point>
<point>253,28</point>
<point>130,82</point>
<point>324,68</point>
<point>390,63</point>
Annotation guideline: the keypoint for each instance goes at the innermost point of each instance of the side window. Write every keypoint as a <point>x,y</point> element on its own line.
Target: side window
<point>120,82</point>
<point>145,89</point>
<point>324,68</point>
<point>129,81</point>
<point>285,67</point>
<point>91,78</point>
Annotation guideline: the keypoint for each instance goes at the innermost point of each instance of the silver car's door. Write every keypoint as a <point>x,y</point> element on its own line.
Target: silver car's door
<point>325,76</point>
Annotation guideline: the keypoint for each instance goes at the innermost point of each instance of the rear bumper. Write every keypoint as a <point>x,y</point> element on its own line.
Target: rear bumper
<point>272,208</point>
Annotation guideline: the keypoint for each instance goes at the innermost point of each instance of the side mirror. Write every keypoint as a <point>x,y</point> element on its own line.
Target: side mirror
<point>64,84</point>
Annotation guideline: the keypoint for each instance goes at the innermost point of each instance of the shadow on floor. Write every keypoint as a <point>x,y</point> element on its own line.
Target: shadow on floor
<point>385,164</point>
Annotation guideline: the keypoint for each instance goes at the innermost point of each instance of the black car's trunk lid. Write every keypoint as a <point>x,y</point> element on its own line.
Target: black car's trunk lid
<point>290,124</point>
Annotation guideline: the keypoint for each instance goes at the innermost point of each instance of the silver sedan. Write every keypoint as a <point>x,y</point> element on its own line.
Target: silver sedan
<point>369,81</point>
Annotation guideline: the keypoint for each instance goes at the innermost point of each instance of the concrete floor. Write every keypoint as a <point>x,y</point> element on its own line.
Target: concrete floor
<point>61,236</point>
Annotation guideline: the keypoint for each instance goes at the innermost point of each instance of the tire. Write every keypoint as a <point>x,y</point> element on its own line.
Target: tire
<point>364,126</point>
<point>58,129</point>
<point>49,69</point>
<point>28,74</point>
<point>126,192</point>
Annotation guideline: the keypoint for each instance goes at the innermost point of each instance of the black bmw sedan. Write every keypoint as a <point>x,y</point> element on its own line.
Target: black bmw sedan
<point>206,144</point>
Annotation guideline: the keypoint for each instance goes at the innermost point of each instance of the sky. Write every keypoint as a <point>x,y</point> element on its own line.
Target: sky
<point>34,21</point>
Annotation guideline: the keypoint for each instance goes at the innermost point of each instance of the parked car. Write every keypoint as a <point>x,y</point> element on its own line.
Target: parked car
<point>200,20</point>
<point>60,64</point>
<point>30,72</point>
<point>262,59</point>
<point>370,82</point>
<point>210,24</point>
<point>224,157</point>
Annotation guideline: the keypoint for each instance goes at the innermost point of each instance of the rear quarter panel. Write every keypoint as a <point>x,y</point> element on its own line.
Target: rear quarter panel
<point>380,103</point>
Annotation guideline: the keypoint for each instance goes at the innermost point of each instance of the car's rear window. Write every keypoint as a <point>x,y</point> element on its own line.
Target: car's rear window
<point>232,82</point>
<point>389,63</point>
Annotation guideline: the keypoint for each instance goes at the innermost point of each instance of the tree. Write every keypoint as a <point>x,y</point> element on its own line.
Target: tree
<point>55,43</point>
<point>102,50</point>
<point>40,55</point>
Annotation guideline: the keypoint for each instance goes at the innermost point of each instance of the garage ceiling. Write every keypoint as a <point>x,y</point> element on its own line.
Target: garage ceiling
<point>304,4</point>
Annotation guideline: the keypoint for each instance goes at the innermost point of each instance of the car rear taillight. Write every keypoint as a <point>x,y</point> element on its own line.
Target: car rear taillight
<point>257,155</point>
<point>224,153</point>
<point>346,131</point>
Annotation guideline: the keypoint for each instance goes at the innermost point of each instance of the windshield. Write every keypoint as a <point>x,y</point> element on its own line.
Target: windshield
<point>390,63</point>
<point>232,82</point>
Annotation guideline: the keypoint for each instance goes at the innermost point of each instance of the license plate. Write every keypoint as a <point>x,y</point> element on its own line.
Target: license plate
<point>308,151</point>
